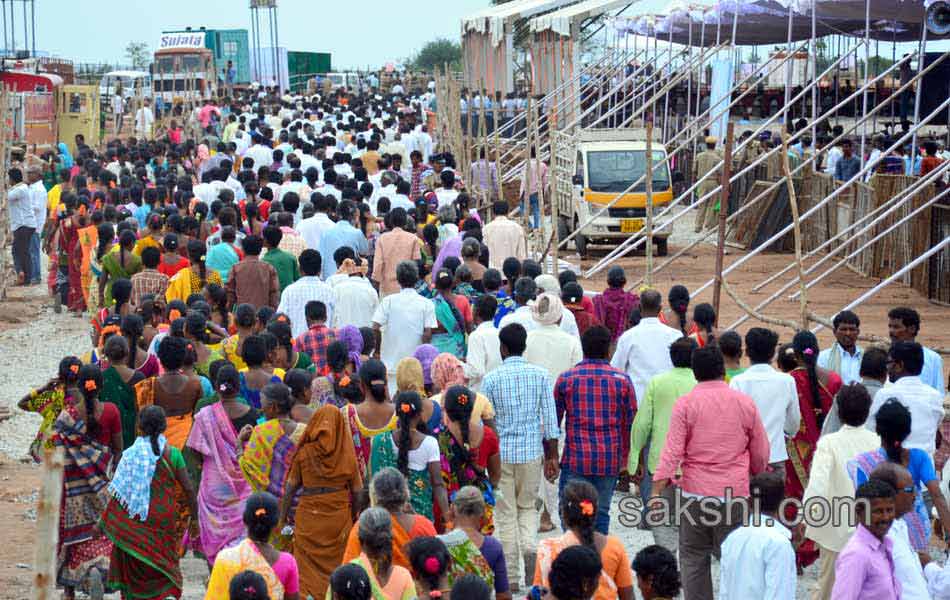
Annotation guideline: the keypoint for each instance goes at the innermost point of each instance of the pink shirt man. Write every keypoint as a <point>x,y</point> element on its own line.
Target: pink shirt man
<point>717,438</point>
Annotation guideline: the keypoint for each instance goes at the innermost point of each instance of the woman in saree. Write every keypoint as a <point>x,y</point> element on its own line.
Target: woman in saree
<point>893,423</point>
<point>448,371</point>
<point>258,352</point>
<point>118,264</point>
<point>268,450</point>
<point>816,392</point>
<point>88,240</point>
<point>118,386</point>
<point>133,330</point>
<point>470,453</point>
<point>375,415</point>
<point>105,242</point>
<point>387,580</point>
<point>196,332</point>
<point>286,356</point>
<point>578,514</point>
<point>390,490</point>
<point>90,434</point>
<point>324,388</point>
<point>472,550</point>
<point>255,553</point>
<point>175,392</point>
<point>121,308</point>
<point>414,374</point>
<point>245,320</point>
<point>450,335</point>
<point>194,278</point>
<point>145,550</point>
<point>299,382</point>
<point>324,476</point>
<point>215,435</point>
<point>69,256</point>
<point>50,400</point>
<point>415,454</point>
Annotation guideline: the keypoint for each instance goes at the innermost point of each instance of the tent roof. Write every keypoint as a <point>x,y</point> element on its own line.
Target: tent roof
<point>492,19</point>
<point>560,20</point>
<point>766,21</point>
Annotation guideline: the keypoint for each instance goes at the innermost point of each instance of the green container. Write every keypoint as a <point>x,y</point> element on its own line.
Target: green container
<point>231,44</point>
<point>302,66</point>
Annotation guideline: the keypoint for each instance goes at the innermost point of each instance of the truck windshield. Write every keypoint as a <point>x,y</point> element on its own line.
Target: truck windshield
<point>615,170</point>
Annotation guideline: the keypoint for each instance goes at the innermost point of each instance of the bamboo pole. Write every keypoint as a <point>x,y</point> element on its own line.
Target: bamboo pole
<point>5,238</point>
<point>796,228</point>
<point>723,210</point>
<point>494,155</point>
<point>555,209</point>
<point>525,195</point>
<point>47,525</point>
<point>649,202</point>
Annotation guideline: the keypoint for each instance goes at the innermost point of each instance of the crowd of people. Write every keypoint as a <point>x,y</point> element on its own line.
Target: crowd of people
<point>314,365</point>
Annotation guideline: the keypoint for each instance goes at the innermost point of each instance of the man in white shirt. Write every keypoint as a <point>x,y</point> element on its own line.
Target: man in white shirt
<point>403,321</point>
<point>312,228</point>
<point>504,237</point>
<point>294,298</point>
<point>772,391</point>
<point>907,563</point>
<point>903,325</point>
<point>118,112</point>
<point>844,356</point>
<point>548,346</point>
<point>758,560</point>
<point>905,361</point>
<point>260,152</point>
<point>144,121</point>
<point>829,479</point>
<point>644,351</point>
<point>22,223</point>
<point>484,348</point>
<point>38,199</point>
<point>834,155</point>
<point>355,297</point>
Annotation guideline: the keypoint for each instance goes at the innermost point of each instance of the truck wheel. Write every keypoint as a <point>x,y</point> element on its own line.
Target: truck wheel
<point>580,242</point>
<point>661,247</point>
<point>563,229</point>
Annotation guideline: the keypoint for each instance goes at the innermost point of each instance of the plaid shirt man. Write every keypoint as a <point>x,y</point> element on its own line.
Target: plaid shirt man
<point>314,342</point>
<point>145,282</point>
<point>418,171</point>
<point>597,403</point>
<point>521,395</point>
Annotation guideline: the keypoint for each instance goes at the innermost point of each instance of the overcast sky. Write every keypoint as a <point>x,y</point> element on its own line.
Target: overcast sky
<point>358,34</point>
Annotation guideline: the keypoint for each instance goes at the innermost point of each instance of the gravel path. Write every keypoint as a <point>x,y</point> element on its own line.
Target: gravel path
<point>29,356</point>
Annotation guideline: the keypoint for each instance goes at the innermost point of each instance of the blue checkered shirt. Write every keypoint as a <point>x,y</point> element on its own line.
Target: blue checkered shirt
<point>521,394</point>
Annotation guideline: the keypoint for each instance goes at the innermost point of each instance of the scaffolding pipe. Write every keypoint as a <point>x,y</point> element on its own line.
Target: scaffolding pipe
<point>888,208</point>
<point>807,162</point>
<point>894,277</point>
<point>634,241</point>
<point>856,178</point>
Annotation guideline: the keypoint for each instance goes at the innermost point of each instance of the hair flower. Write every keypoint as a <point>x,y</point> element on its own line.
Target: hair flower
<point>260,512</point>
<point>432,565</point>
<point>74,368</point>
<point>808,351</point>
<point>462,400</point>
<point>90,385</point>
<point>344,381</point>
<point>405,407</point>
<point>587,508</point>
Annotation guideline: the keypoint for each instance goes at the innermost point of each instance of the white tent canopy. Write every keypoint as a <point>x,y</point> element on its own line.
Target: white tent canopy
<point>493,20</point>
<point>560,20</point>
<point>767,21</point>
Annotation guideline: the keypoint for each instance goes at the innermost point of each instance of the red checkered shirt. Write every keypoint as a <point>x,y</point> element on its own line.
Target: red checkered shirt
<point>148,281</point>
<point>314,342</point>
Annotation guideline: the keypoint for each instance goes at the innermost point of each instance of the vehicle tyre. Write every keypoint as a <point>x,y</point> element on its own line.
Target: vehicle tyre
<point>563,229</point>
<point>662,248</point>
<point>580,242</point>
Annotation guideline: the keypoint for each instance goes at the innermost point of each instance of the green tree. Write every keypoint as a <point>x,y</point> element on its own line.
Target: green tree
<point>137,54</point>
<point>437,53</point>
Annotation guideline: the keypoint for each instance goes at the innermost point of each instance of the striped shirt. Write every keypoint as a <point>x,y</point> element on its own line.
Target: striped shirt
<point>521,394</point>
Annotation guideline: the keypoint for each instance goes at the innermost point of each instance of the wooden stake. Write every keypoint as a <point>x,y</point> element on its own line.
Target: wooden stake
<point>648,277</point>
<point>6,239</point>
<point>555,209</point>
<point>47,525</point>
<point>797,228</point>
<point>525,202</point>
<point>723,210</point>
